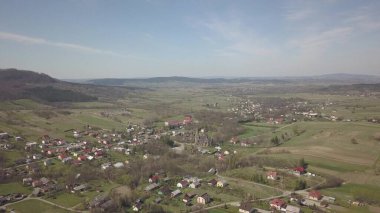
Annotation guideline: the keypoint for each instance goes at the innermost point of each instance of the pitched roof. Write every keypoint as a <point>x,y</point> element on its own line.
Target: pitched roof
<point>277,202</point>
<point>184,183</point>
<point>272,173</point>
<point>315,193</point>
<point>205,196</point>
<point>299,169</point>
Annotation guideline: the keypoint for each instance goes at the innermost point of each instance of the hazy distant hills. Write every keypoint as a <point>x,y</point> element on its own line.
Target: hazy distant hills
<point>342,78</point>
<point>21,84</point>
<point>176,79</point>
<point>339,78</point>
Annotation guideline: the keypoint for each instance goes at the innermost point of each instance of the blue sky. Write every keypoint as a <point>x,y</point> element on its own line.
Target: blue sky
<point>200,38</point>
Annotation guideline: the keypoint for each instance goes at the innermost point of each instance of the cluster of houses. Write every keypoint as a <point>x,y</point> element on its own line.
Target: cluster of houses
<point>246,142</point>
<point>281,205</point>
<point>176,124</point>
<point>297,171</point>
<point>87,148</point>
<point>10,198</point>
<point>103,202</point>
<point>313,198</point>
<point>5,141</point>
<point>160,184</point>
<point>40,186</point>
<point>273,111</point>
<point>280,110</point>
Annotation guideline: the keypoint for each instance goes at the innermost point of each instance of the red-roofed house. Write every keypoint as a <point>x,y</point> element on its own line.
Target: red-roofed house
<point>98,153</point>
<point>154,179</point>
<point>278,204</point>
<point>61,156</point>
<point>299,170</point>
<point>315,195</point>
<point>188,119</point>
<point>272,175</point>
<point>82,158</point>
<point>173,124</point>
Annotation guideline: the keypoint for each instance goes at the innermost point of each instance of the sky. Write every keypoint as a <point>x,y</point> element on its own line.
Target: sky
<point>81,39</point>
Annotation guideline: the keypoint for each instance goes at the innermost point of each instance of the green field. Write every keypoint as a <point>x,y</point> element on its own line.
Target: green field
<point>9,188</point>
<point>229,209</point>
<point>253,130</point>
<point>354,191</point>
<point>35,206</point>
<point>67,199</point>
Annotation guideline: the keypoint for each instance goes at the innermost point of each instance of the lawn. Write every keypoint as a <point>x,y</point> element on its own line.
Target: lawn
<point>287,182</point>
<point>35,206</point>
<point>333,141</point>
<point>11,156</point>
<point>66,199</point>
<point>14,188</point>
<point>229,209</point>
<point>21,104</point>
<point>254,130</point>
<point>353,191</point>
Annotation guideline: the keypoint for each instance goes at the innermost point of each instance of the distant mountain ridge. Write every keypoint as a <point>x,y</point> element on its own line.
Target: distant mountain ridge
<point>125,81</point>
<point>21,84</point>
<point>338,78</point>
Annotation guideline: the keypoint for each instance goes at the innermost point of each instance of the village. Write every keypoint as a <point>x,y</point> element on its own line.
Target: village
<point>220,158</point>
<point>97,145</point>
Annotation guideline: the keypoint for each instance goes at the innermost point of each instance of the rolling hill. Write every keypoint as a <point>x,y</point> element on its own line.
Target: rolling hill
<point>20,84</point>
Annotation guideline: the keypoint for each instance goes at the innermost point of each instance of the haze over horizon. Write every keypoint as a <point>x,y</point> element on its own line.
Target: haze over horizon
<point>200,38</point>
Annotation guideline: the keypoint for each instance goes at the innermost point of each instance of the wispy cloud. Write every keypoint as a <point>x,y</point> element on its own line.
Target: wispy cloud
<point>324,38</point>
<point>365,19</point>
<point>328,28</point>
<point>234,37</point>
<point>33,40</point>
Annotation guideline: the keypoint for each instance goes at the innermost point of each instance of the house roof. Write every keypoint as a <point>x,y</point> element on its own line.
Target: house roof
<point>176,192</point>
<point>205,196</point>
<point>277,202</point>
<point>271,173</point>
<point>155,178</point>
<point>290,208</point>
<point>151,186</point>
<point>299,169</point>
<point>315,193</point>
<point>184,182</point>
<point>213,181</point>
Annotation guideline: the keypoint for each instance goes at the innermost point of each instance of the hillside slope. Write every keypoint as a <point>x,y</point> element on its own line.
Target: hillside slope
<point>20,84</point>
